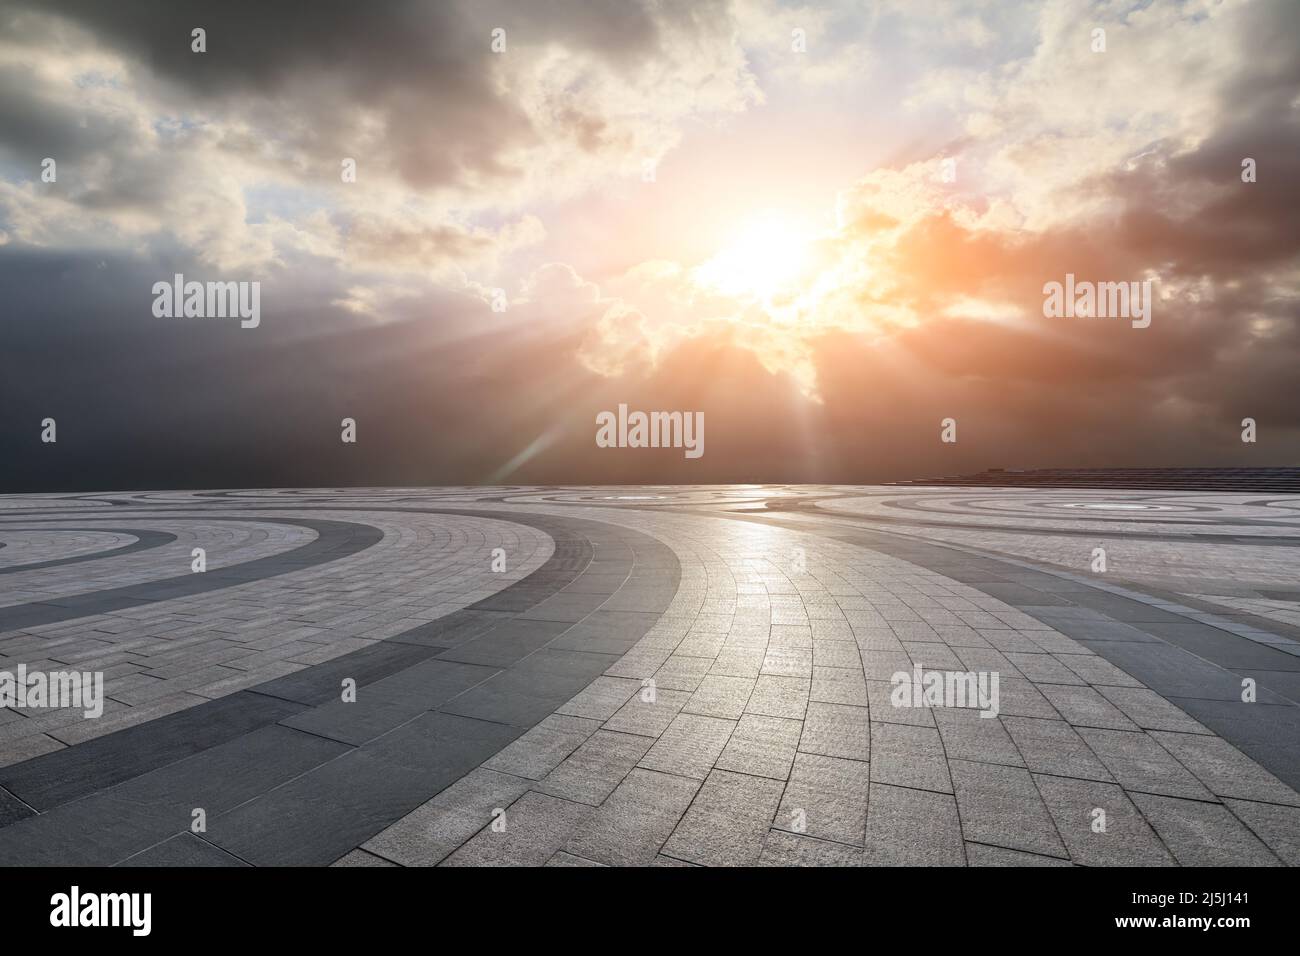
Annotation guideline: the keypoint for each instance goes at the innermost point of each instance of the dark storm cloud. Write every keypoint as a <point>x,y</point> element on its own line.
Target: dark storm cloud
<point>299,71</point>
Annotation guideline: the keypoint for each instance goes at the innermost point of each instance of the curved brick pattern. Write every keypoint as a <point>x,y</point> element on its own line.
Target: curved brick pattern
<point>661,676</point>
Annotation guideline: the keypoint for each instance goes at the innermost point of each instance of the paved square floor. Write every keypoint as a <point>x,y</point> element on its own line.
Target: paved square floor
<point>654,676</point>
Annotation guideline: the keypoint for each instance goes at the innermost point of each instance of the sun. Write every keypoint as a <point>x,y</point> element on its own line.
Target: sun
<point>765,259</point>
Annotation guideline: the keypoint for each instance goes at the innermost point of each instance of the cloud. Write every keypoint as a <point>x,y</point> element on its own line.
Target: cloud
<point>234,153</point>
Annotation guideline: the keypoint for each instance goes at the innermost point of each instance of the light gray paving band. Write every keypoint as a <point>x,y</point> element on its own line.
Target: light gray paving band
<point>334,540</point>
<point>145,540</point>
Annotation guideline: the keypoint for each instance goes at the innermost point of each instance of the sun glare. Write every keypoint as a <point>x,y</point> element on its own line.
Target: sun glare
<point>763,260</point>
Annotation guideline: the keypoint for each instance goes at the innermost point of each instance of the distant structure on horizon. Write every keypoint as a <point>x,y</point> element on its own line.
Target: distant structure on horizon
<point>1267,480</point>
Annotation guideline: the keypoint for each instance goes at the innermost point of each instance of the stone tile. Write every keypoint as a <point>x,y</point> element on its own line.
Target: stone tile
<point>1277,826</point>
<point>690,746</point>
<point>1117,836</point>
<point>1053,746</point>
<point>682,673</point>
<point>883,709</point>
<point>728,822</point>
<point>1203,834</point>
<point>721,696</point>
<point>568,859</point>
<point>1084,707</point>
<point>779,697</point>
<point>980,855</point>
<point>318,816</point>
<point>1021,698</point>
<point>906,756</point>
<point>1138,762</point>
<point>762,746</point>
<point>590,773</point>
<point>1224,769</point>
<point>783,661</point>
<point>542,749</point>
<point>738,662</point>
<point>792,849</point>
<point>912,828</point>
<point>826,797</point>
<point>1149,710</point>
<point>968,735</point>
<point>836,730</point>
<point>602,698</point>
<point>629,828</point>
<point>1001,806</point>
<point>428,834</point>
<point>360,858</point>
<point>536,827</point>
<point>838,685</point>
<point>648,718</point>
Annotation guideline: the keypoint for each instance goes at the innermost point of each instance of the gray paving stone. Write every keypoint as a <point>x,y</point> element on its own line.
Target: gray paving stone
<point>319,816</point>
<point>967,735</point>
<point>783,661</point>
<point>390,702</point>
<point>648,718</point>
<point>763,746</point>
<point>1149,710</point>
<point>536,827</point>
<point>184,849</point>
<point>1054,747</point>
<point>775,696</point>
<point>362,858</point>
<point>838,685</point>
<point>630,827</point>
<point>1277,826</point>
<point>883,709</point>
<point>1138,762</point>
<point>908,827</point>
<point>590,773</point>
<point>826,797</point>
<point>979,854</point>
<point>428,834</point>
<point>1203,834</point>
<point>690,746</point>
<point>543,748</point>
<point>1085,707</point>
<point>97,764</point>
<point>602,698</point>
<point>568,859</point>
<point>836,730</point>
<point>906,756</point>
<point>728,822</point>
<point>721,696</point>
<point>792,849</point>
<point>1001,806</point>
<point>1117,836</point>
<point>682,673</point>
<point>1226,771</point>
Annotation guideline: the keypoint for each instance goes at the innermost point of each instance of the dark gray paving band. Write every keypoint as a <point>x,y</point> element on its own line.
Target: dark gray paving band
<point>1197,667</point>
<point>334,540</point>
<point>288,774</point>
<point>146,540</point>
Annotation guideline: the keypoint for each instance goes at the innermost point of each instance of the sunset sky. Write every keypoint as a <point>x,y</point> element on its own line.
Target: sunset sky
<point>825,226</point>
